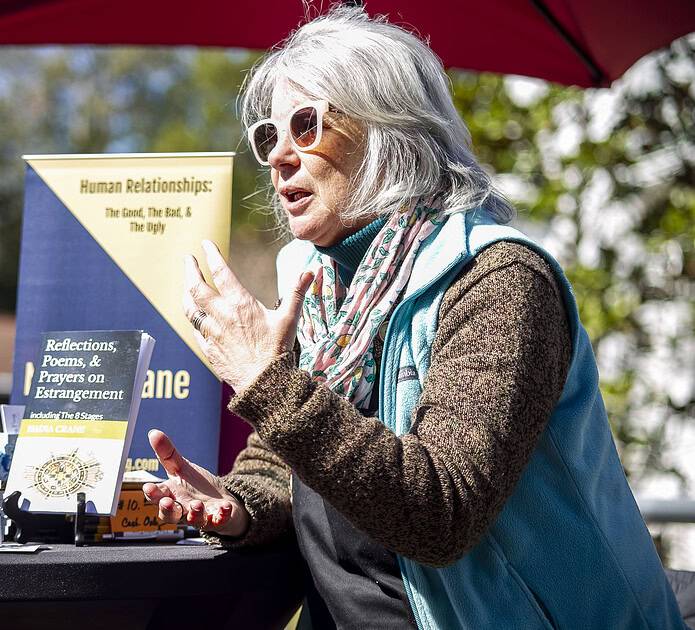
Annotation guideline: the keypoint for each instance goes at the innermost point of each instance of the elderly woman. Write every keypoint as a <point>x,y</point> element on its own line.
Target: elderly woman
<point>436,436</point>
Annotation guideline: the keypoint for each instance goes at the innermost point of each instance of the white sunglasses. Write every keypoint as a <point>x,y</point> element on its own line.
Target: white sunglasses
<point>304,124</point>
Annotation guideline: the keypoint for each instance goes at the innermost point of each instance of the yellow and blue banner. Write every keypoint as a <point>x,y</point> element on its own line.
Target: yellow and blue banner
<point>103,241</point>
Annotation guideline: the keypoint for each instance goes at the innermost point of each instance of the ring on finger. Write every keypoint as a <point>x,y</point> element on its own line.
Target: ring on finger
<point>183,511</point>
<point>197,319</point>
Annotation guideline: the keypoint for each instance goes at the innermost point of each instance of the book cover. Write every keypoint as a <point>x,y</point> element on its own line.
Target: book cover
<point>103,241</point>
<point>8,441</point>
<point>79,420</point>
<point>10,419</point>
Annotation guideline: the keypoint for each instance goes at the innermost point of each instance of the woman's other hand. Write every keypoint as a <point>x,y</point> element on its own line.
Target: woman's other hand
<point>192,494</point>
<point>239,336</point>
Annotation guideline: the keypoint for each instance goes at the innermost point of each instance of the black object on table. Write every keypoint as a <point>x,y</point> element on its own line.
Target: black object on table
<point>49,528</point>
<point>150,586</point>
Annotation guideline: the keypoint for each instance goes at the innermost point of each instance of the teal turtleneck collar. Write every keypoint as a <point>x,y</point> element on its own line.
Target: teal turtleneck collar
<point>349,252</point>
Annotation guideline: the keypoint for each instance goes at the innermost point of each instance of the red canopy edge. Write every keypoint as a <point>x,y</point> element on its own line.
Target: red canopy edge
<point>507,36</point>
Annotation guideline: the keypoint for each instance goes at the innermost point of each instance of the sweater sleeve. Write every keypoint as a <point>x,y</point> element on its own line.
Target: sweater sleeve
<point>498,366</point>
<point>260,480</point>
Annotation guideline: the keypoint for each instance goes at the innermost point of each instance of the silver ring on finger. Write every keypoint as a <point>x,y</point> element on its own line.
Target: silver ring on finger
<point>183,511</point>
<point>197,319</point>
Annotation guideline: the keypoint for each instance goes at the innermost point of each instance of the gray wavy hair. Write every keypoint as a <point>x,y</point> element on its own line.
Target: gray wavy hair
<point>417,146</point>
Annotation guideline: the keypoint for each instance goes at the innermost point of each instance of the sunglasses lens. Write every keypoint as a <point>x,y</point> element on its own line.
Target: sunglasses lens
<point>265,137</point>
<point>304,126</point>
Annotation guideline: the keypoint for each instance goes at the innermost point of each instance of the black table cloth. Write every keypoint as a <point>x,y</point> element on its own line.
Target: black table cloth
<point>149,586</point>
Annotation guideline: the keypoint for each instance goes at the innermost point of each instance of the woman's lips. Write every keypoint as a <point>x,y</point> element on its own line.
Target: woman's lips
<point>296,201</point>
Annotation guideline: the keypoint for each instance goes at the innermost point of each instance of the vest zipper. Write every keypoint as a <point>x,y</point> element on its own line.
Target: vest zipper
<point>385,358</point>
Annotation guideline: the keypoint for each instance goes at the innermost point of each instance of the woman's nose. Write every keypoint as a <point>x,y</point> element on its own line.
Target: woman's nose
<point>284,152</point>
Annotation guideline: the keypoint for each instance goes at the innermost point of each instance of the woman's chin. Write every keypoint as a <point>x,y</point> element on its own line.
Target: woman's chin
<point>300,232</point>
<point>321,227</point>
<point>306,231</point>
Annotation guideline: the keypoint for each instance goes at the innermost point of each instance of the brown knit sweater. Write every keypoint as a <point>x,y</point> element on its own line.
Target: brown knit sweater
<point>498,365</point>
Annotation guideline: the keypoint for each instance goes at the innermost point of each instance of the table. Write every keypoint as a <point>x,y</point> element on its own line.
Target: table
<point>150,586</point>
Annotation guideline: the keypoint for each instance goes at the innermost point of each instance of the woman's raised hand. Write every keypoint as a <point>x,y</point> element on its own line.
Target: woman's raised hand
<point>192,494</point>
<point>239,336</point>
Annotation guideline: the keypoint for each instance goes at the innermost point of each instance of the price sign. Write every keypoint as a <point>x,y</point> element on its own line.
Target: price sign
<point>135,515</point>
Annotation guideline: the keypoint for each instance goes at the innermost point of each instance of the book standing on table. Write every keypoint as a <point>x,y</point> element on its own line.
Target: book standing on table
<point>79,420</point>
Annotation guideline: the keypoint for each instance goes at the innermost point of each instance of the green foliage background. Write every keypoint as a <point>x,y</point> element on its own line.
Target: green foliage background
<point>605,178</point>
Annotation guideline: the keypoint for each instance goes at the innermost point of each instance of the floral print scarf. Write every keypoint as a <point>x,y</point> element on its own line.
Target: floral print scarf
<point>338,324</point>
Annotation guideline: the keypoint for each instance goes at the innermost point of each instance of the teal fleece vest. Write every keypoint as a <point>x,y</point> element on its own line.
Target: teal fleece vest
<point>569,549</point>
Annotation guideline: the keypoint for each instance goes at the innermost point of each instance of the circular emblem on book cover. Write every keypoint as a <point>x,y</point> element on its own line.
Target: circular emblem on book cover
<point>65,475</point>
